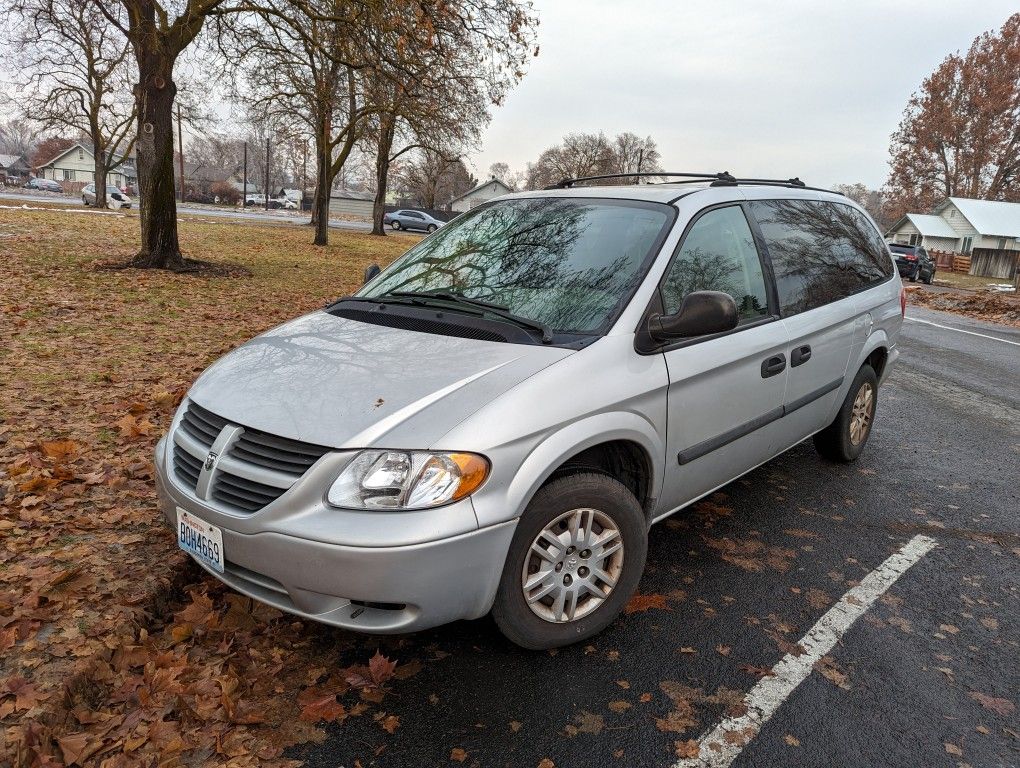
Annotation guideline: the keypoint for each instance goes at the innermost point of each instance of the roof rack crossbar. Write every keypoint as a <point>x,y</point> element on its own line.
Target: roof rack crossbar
<point>722,176</point>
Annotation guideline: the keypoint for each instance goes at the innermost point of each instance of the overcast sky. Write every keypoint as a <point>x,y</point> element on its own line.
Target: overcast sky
<point>773,89</point>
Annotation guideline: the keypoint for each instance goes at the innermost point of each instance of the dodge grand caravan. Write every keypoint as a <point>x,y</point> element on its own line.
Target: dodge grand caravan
<point>495,421</point>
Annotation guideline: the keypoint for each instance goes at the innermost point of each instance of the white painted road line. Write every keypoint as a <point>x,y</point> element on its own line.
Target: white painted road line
<point>960,330</point>
<point>721,746</point>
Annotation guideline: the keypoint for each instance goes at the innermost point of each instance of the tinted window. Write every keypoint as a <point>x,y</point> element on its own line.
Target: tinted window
<point>569,263</point>
<point>718,254</point>
<point>821,252</point>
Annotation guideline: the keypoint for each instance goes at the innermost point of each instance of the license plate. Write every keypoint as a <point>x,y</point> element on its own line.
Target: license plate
<point>199,539</point>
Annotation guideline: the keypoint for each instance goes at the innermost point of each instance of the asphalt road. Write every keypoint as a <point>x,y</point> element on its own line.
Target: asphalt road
<point>261,216</point>
<point>927,676</point>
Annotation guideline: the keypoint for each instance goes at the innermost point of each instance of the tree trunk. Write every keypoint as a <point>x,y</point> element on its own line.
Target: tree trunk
<point>100,162</point>
<point>154,150</point>
<point>322,186</point>
<point>387,127</point>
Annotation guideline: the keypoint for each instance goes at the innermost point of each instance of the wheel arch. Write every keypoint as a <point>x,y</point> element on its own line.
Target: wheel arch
<point>621,445</point>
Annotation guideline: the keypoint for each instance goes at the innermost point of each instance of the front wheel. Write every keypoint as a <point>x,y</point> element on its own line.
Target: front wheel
<point>575,560</point>
<point>931,278</point>
<point>395,225</point>
<point>844,439</point>
<point>431,228</point>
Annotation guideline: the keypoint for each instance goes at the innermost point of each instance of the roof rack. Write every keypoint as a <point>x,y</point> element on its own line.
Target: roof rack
<point>720,179</point>
<point>568,183</point>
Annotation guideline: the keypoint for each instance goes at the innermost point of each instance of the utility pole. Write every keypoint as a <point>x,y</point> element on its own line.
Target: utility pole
<point>640,159</point>
<point>267,173</point>
<point>304,174</point>
<point>244,191</point>
<point>180,146</point>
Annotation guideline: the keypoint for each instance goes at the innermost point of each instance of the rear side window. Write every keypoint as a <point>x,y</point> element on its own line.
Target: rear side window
<point>821,252</point>
<point>718,254</point>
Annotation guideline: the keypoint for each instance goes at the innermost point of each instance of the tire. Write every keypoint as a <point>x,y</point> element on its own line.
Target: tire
<point>836,441</point>
<point>431,228</point>
<point>395,225</point>
<point>913,277</point>
<point>84,201</point>
<point>931,278</point>
<point>597,499</point>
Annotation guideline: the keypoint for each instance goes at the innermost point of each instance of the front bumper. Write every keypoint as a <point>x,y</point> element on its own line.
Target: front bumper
<point>385,590</point>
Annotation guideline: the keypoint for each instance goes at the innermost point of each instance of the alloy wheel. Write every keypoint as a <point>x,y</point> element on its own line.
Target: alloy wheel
<point>863,410</point>
<point>572,565</point>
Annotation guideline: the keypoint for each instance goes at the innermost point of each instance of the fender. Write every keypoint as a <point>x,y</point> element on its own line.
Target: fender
<point>553,450</point>
<point>878,338</point>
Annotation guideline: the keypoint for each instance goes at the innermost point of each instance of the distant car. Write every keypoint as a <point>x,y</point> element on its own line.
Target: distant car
<point>913,262</point>
<point>255,199</point>
<point>114,197</point>
<point>45,185</point>
<point>407,219</point>
<point>283,202</point>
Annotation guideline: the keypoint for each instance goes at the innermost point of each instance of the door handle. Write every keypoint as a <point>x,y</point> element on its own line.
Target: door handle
<point>773,365</point>
<point>800,355</point>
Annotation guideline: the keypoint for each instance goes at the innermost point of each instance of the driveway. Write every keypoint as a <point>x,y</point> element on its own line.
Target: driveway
<point>924,525</point>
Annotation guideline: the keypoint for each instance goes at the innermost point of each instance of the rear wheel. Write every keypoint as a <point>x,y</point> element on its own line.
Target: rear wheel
<point>844,439</point>
<point>575,560</point>
<point>431,228</point>
<point>931,278</point>
<point>84,201</point>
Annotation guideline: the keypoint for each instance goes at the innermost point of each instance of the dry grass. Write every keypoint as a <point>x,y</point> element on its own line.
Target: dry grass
<point>92,364</point>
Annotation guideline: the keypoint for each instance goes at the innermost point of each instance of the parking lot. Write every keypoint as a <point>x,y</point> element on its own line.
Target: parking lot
<point>928,675</point>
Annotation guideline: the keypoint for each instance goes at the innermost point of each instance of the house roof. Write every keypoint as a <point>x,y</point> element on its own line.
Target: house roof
<point>6,161</point>
<point>483,185</point>
<point>989,217</point>
<point>931,226</point>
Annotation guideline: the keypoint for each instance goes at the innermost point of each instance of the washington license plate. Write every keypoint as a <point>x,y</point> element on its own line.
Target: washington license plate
<point>199,539</point>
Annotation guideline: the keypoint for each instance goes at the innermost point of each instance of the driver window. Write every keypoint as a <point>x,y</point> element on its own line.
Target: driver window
<point>718,254</point>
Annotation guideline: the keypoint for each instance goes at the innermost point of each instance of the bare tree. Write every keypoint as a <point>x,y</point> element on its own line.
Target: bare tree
<point>433,178</point>
<point>78,77</point>
<point>17,137</point>
<point>871,200</point>
<point>960,134</point>
<point>592,154</point>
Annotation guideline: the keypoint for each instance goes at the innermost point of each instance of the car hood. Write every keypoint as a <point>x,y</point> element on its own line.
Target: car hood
<point>346,384</point>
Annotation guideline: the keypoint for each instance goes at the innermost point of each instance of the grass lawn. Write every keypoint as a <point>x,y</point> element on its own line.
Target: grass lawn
<point>963,280</point>
<point>112,647</point>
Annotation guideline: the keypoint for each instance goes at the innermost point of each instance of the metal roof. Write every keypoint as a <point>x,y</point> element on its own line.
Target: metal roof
<point>932,226</point>
<point>989,217</point>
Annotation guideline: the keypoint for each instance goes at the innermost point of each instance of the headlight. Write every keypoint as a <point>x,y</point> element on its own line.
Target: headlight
<point>407,480</point>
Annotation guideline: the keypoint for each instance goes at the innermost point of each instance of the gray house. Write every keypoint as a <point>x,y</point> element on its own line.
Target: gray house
<point>13,169</point>
<point>986,230</point>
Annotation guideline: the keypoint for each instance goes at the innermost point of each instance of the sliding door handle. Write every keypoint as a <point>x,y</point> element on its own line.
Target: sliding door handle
<point>800,355</point>
<point>773,365</point>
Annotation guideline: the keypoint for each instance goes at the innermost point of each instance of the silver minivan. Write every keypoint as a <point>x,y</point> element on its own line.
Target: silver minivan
<point>495,421</point>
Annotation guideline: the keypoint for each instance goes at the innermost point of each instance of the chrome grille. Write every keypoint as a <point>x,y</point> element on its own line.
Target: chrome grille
<point>250,470</point>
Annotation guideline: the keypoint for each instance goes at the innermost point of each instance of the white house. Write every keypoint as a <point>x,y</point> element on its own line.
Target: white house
<point>76,164</point>
<point>987,230</point>
<point>483,193</point>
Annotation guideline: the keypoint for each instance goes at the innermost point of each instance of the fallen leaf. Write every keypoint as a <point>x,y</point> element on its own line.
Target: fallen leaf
<point>619,706</point>
<point>998,706</point>
<point>722,650</point>
<point>687,749</point>
<point>640,603</point>
<point>952,749</point>
<point>545,762</point>
<point>458,754</point>
<point>390,723</point>
<point>793,741</point>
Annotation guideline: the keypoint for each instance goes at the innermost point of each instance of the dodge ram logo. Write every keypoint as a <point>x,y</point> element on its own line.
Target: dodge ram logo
<point>210,461</point>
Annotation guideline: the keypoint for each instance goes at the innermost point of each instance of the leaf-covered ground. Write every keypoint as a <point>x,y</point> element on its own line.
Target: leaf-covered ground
<point>114,650</point>
<point>989,306</point>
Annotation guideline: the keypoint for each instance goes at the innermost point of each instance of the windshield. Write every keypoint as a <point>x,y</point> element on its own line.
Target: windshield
<point>571,264</point>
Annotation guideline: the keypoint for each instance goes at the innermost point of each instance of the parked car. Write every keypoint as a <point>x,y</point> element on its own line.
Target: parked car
<point>496,420</point>
<point>114,197</point>
<point>283,202</point>
<point>407,219</point>
<point>255,199</point>
<point>45,185</point>
<point>913,262</point>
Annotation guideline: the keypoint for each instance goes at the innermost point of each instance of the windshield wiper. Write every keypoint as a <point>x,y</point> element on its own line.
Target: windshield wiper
<point>499,310</point>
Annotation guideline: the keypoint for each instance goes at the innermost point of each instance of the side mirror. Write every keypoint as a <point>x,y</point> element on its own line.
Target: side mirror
<point>371,271</point>
<point>702,313</point>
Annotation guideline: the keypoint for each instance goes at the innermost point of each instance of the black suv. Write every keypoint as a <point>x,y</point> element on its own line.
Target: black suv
<point>913,262</point>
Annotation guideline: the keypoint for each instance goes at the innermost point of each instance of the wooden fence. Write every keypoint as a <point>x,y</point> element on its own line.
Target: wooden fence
<point>949,260</point>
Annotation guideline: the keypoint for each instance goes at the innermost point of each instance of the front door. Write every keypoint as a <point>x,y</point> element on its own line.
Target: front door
<point>725,398</point>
